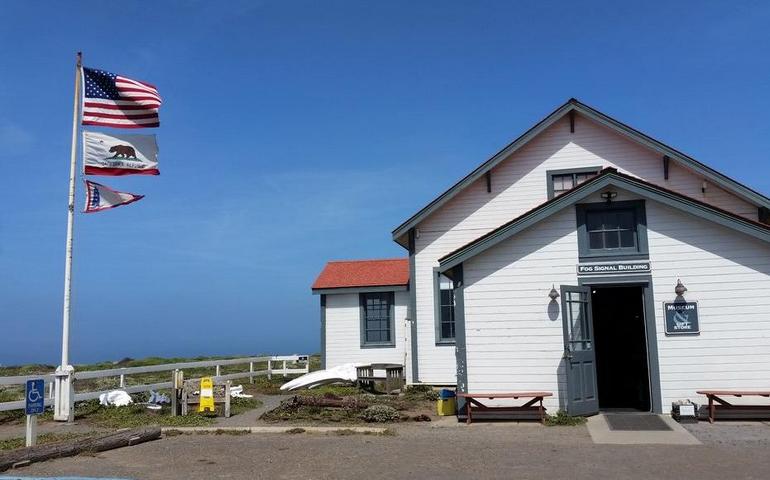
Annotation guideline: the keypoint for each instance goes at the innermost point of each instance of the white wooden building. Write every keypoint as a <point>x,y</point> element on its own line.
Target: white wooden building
<point>553,266</point>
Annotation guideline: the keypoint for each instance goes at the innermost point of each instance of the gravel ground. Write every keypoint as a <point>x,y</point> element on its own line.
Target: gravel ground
<point>732,433</point>
<point>482,451</point>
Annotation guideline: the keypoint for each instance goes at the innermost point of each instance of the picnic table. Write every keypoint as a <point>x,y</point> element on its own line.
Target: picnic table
<point>743,411</point>
<point>532,409</point>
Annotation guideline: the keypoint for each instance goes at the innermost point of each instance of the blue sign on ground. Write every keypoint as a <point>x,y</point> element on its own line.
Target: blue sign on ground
<point>35,397</point>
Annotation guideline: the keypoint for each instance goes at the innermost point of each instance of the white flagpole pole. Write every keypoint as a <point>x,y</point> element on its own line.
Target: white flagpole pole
<point>63,405</point>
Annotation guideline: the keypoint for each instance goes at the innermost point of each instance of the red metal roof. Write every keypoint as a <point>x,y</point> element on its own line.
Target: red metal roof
<point>363,273</point>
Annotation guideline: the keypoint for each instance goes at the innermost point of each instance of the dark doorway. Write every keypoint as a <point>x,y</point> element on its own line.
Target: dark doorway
<point>621,348</point>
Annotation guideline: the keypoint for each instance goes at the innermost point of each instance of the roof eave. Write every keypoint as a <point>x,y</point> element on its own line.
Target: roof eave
<point>400,232</point>
<point>725,182</point>
<point>359,289</point>
<point>609,179</point>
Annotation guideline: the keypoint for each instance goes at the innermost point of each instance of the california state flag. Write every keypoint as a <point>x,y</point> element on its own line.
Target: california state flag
<point>118,154</point>
<point>100,197</point>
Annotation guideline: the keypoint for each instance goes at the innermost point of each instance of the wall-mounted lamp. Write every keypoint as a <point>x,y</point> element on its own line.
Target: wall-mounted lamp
<point>553,294</point>
<point>609,196</point>
<point>680,288</point>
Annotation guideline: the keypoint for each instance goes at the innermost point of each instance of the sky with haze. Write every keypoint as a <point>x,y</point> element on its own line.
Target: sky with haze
<point>295,132</point>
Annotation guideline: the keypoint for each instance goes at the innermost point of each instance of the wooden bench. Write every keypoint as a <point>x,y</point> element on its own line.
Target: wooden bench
<point>735,411</point>
<point>531,410</point>
<point>393,379</point>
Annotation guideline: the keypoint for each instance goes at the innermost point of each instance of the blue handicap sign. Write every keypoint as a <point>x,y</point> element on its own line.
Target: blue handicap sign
<point>35,397</point>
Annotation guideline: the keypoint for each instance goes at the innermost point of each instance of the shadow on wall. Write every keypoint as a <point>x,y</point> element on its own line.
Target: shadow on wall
<point>553,310</point>
<point>561,374</point>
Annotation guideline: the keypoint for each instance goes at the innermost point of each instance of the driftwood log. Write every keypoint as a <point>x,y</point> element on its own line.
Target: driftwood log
<point>122,438</point>
<point>346,402</point>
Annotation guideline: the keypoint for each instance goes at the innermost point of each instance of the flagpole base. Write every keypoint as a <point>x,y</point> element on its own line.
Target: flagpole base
<point>64,399</point>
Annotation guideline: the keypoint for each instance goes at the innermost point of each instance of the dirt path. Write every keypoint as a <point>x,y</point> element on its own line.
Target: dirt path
<point>250,418</point>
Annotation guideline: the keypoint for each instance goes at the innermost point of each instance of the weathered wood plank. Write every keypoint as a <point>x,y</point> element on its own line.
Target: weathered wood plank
<point>121,438</point>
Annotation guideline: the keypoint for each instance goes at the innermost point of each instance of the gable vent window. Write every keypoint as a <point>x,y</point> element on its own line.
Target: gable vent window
<point>560,181</point>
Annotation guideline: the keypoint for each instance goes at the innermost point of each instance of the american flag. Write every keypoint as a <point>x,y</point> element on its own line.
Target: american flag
<point>111,100</point>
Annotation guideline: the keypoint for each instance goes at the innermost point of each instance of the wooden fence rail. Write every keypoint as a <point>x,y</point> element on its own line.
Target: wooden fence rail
<point>122,373</point>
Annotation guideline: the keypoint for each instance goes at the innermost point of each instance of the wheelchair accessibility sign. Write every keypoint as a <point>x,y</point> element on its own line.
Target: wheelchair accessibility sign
<point>35,398</point>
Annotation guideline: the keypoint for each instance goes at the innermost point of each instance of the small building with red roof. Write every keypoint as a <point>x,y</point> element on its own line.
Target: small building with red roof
<point>585,259</point>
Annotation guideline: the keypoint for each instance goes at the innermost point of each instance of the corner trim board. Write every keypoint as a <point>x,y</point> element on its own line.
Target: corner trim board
<point>413,307</point>
<point>323,332</point>
<point>461,354</point>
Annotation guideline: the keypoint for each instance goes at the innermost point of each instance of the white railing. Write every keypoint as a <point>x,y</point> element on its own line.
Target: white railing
<point>287,367</point>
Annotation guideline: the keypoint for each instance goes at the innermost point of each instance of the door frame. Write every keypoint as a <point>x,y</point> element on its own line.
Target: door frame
<point>650,327</point>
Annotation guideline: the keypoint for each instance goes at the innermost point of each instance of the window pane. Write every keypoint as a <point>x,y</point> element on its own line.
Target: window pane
<point>582,177</point>
<point>610,220</point>
<point>447,330</point>
<point>593,221</point>
<point>373,336</point>
<point>611,239</point>
<point>626,219</point>
<point>595,240</point>
<point>627,239</point>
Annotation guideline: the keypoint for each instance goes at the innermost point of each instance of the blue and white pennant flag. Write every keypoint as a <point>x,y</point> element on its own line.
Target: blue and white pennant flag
<point>100,197</point>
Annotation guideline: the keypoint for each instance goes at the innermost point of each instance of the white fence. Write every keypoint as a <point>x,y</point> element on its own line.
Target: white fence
<point>288,366</point>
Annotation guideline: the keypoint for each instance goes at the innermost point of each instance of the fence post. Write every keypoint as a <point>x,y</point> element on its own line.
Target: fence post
<point>251,372</point>
<point>269,369</point>
<point>174,391</point>
<point>284,368</point>
<point>217,371</point>
<point>122,381</point>
<point>307,364</point>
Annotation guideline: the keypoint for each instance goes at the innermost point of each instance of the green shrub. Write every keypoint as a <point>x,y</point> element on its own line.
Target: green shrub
<point>380,414</point>
<point>562,419</point>
<point>421,392</point>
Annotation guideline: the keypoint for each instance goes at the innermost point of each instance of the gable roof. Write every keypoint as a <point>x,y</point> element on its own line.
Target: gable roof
<point>606,178</point>
<point>363,273</point>
<point>723,181</point>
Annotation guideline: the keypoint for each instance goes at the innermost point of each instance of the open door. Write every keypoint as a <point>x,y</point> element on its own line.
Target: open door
<point>579,354</point>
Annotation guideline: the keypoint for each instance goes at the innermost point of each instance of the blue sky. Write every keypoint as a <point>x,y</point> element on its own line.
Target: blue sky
<point>294,132</point>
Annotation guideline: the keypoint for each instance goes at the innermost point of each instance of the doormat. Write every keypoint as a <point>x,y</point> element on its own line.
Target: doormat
<point>636,423</point>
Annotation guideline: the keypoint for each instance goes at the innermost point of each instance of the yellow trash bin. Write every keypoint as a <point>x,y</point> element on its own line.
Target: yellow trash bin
<point>446,404</point>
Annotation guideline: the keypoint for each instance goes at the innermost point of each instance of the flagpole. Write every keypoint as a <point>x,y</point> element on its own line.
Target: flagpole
<point>64,401</point>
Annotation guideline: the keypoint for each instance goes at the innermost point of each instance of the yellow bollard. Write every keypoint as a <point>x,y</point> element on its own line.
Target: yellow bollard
<point>207,395</point>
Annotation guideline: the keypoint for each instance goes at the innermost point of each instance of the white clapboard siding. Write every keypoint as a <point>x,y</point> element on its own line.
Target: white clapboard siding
<point>733,349</point>
<point>519,346</point>
<point>343,332</point>
<point>519,184</point>
<point>514,340</point>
